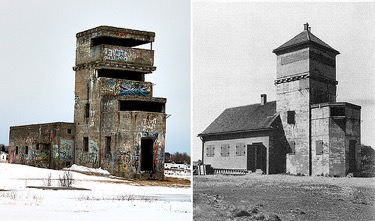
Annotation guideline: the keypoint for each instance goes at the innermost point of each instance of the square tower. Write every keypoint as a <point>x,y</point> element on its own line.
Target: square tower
<point>305,75</point>
<point>318,140</point>
<point>120,126</point>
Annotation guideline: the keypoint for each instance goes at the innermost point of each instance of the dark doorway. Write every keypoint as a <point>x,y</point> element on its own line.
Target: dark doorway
<point>256,157</point>
<point>147,154</point>
<point>351,157</point>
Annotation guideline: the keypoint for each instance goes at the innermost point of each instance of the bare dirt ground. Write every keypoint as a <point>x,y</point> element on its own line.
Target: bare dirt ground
<point>282,197</point>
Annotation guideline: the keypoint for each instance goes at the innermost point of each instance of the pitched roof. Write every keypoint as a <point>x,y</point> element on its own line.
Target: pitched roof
<point>243,118</point>
<point>304,38</point>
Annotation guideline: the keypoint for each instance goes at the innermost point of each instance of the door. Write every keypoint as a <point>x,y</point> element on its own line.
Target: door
<point>352,166</point>
<point>147,154</point>
<point>256,157</point>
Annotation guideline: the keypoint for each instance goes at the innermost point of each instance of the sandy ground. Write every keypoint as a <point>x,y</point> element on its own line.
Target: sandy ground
<point>282,197</point>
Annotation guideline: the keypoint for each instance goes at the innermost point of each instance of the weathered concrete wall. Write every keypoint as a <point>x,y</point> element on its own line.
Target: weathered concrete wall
<point>42,145</point>
<point>320,131</point>
<point>98,112</point>
<point>335,132</point>
<point>295,96</point>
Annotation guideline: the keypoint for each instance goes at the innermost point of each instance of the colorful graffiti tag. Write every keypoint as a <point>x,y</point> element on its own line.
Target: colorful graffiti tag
<point>91,157</point>
<point>120,87</point>
<point>66,149</point>
<point>128,55</point>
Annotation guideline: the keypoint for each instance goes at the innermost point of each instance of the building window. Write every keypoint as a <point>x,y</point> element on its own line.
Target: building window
<point>86,144</point>
<point>37,146</point>
<point>210,151</point>
<point>225,150</point>
<point>291,117</point>
<point>292,147</point>
<point>240,149</point>
<point>337,111</point>
<point>26,150</point>
<point>87,110</point>
<point>69,131</point>
<point>319,147</point>
<point>108,144</point>
<point>16,150</point>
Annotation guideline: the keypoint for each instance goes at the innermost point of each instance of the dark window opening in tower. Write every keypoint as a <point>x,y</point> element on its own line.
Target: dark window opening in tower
<point>291,117</point>
<point>337,111</point>
<point>26,150</point>
<point>16,150</point>
<point>116,41</point>
<point>108,144</point>
<point>147,154</point>
<point>142,106</point>
<point>87,110</point>
<point>86,144</point>
<point>121,74</point>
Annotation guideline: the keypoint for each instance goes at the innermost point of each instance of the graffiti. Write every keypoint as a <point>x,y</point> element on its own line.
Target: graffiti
<point>159,159</point>
<point>136,157</point>
<point>55,151</point>
<point>129,55</point>
<point>118,87</point>
<point>92,155</point>
<point>149,123</point>
<point>133,89</point>
<point>89,158</point>
<point>66,149</point>
<point>148,134</point>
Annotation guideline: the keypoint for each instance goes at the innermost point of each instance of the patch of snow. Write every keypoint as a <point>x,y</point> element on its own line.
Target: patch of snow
<point>107,198</point>
<point>75,167</point>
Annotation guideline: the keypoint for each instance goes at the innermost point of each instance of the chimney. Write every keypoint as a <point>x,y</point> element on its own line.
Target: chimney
<point>306,27</point>
<point>263,99</point>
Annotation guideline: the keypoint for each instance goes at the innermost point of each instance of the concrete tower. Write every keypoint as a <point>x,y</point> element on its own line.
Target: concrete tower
<point>120,126</point>
<point>306,75</point>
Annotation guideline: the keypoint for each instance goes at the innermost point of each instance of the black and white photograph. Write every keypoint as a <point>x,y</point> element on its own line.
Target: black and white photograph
<point>283,103</point>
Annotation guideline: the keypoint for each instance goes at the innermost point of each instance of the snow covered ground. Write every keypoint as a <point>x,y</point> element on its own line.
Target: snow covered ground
<point>107,197</point>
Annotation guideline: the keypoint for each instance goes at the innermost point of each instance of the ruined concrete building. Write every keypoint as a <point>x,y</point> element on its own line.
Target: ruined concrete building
<point>118,124</point>
<point>305,131</point>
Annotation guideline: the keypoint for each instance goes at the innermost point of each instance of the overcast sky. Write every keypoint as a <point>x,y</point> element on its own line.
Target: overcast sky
<point>38,52</point>
<point>233,61</point>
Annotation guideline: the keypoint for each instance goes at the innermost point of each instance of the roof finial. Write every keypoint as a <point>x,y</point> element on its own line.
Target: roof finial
<point>306,27</point>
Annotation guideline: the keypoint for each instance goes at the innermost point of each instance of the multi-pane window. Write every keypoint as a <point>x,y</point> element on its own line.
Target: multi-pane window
<point>319,147</point>
<point>210,151</point>
<point>240,149</point>
<point>225,150</point>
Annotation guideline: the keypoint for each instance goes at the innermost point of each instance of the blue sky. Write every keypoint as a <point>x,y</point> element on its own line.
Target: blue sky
<point>38,52</point>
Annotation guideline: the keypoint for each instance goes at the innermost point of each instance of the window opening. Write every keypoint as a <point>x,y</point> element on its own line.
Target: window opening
<point>108,144</point>
<point>319,147</point>
<point>291,117</point>
<point>292,147</point>
<point>142,106</point>
<point>116,41</point>
<point>86,144</point>
<point>121,74</point>
<point>87,110</point>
